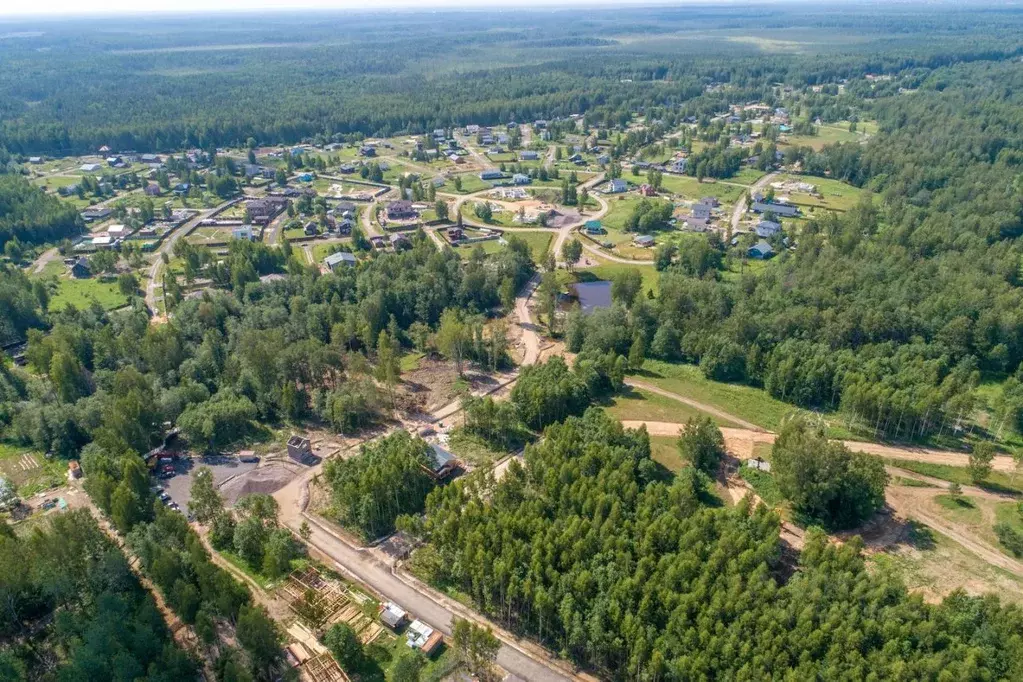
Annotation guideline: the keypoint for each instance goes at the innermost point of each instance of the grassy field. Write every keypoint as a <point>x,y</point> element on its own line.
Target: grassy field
<point>321,251</point>
<point>607,271</point>
<point>748,403</point>
<point>835,195</point>
<point>639,405</point>
<point>693,189</point>
<point>619,209</point>
<point>997,481</point>
<point>472,450</point>
<point>664,451</point>
<point>826,134</point>
<point>211,235</point>
<point>747,176</point>
<point>82,292</point>
<point>470,183</point>
<point>539,243</point>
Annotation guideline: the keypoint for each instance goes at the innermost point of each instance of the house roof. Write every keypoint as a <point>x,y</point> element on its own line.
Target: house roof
<point>392,614</point>
<point>440,459</point>
<point>338,258</point>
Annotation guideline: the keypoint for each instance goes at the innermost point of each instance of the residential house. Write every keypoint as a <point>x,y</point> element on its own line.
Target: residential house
<point>400,242</point>
<point>377,241</point>
<point>96,213</point>
<point>617,186</point>
<point>367,151</point>
<point>90,167</point>
<point>760,251</point>
<point>540,124</point>
<point>242,232</point>
<point>701,211</point>
<point>401,210</point>
<point>35,159</point>
<point>767,228</point>
<point>118,231</point>
<point>102,241</point>
<point>643,240</point>
<point>784,210</point>
<point>603,159</point>
<point>594,227</point>
<point>440,462</point>
<point>695,224</point>
<point>339,259</point>
<point>491,174</point>
<point>346,168</point>
<point>310,229</point>
<point>521,179</point>
<point>80,268</point>
<point>575,158</point>
<point>152,189</point>
<point>262,211</point>
<point>678,166</point>
<point>647,190</point>
<point>528,155</point>
<point>421,636</point>
<point>455,234</point>
<point>300,449</point>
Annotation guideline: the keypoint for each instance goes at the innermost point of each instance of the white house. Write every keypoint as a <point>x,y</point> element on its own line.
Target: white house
<point>617,186</point>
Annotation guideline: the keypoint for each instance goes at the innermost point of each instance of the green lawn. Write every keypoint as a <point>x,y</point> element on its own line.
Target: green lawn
<point>81,293</point>
<point>693,189</point>
<point>960,509</point>
<point>639,405</point>
<point>835,195</point>
<point>538,242</point>
<point>620,207</point>
<point>664,451</point>
<point>827,134</point>
<point>608,270</point>
<point>470,183</point>
<point>752,404</point>
<point>747,176</point>
<point>473,450</point>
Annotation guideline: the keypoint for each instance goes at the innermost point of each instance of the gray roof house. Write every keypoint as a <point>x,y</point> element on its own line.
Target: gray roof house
<point>768,228</point>
<point>760,251</point>
<point>336,260</point>
<point>786,210</point>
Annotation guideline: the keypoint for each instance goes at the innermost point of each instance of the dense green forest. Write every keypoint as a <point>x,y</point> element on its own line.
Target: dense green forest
<point>216,81</point>
<point>586,548</point>
<point>73,609</point>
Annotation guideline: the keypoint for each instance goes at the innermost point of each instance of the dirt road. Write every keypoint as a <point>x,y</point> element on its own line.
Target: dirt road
<point>167,247</point>
<point>704,407</point>
<point>740,206</point>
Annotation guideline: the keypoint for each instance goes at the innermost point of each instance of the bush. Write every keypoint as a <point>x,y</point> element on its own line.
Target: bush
<point>1010,538</point>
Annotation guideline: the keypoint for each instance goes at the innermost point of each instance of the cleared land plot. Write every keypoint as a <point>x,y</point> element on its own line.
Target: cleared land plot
<point>639,405</point>
<point>835,195</point>
<point>211,235</point>
<point>29,470</point>
<point>619,209</point>
<point>826,134</point>
<point>82,292</point>
<point>693,189</point>
<point>996,481</point>
<point>752,404</point>
<point>539,243</point>
<point>470,183</point>
<point>934,565</point>
<point>607,270</point>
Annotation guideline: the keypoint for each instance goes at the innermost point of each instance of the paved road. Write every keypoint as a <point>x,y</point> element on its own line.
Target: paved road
<point>368,570</point>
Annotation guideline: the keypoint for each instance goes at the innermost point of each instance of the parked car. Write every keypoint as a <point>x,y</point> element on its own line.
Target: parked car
<point>249,459</point>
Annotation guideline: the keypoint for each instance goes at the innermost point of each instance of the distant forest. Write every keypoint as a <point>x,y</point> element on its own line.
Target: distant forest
<point>71,87</point>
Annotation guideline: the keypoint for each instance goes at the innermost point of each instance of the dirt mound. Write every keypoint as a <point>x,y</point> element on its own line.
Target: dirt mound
<point>267,479</point>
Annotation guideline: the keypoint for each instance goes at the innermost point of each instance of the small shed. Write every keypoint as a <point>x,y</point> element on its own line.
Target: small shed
<point>299,448</point>
<point>643,240</point>
<point>392,615</point>
<point>441,462</point>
